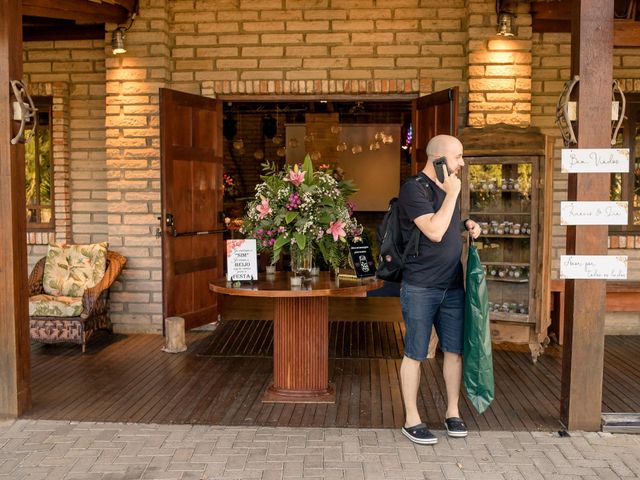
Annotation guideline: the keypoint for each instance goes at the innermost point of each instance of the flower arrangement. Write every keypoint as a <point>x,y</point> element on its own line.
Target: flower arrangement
<point>229,186</point>
<point>301,207</point>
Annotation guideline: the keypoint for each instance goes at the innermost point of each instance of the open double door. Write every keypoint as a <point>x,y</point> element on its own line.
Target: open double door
<point>192,167</point>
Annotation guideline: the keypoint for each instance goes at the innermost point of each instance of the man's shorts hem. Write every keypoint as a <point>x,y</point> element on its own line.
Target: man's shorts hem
<point>451,351</point>
<point>414,358</point>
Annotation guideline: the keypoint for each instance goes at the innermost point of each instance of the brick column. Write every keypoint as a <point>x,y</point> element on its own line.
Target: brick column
<point>133,160</point>
<point>499,67</point>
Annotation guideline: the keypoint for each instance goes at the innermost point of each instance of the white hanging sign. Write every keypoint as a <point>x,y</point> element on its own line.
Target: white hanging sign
<point>594,213</point>
<point>593,267</point>
<point>242,260</point>
<point>595,160</point>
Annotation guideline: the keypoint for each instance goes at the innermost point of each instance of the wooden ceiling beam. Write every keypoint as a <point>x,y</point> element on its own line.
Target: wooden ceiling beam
<point>69,32</point>
<point>550,25</point>
<point>626,33</point>
<point>555,17</point>
<point>85,12</point>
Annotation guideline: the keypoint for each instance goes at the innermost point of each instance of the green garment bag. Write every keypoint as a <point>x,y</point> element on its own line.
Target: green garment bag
<point>478,361</point>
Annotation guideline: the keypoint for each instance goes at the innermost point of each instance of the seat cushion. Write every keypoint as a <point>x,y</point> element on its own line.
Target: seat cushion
<point>50,306</point>
<point>70,269</point>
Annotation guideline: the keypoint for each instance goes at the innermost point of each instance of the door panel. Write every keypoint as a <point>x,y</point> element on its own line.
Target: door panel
<point>433,115</point>
<point>192,166</point>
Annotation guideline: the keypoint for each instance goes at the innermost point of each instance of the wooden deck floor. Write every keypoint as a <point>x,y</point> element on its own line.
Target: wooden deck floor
<point>129,379</point>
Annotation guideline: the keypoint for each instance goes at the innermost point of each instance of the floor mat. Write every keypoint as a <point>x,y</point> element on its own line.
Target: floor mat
<point>254,338</point>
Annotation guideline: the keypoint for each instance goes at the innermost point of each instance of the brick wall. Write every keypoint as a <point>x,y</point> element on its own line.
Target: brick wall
<point>499,68</point>
<point>289,46</point>
<point>73,73</point>
<point>298,47</point>
<point>133,160</point>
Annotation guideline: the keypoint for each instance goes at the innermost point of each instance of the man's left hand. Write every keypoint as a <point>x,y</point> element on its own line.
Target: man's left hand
<point>473,228</point>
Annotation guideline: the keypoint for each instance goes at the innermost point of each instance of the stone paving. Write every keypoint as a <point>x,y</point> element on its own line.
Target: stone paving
<point>54,450</point>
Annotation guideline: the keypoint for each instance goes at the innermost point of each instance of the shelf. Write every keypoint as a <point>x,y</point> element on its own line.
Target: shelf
<point>504,235</point>
<point>522,192</point>
<point>507,280</point>
<point>504,264</point>
<point>485,213</point>
<point>510,317</point>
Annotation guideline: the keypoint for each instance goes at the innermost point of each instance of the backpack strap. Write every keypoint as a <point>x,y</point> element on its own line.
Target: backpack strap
<point>414,240</point>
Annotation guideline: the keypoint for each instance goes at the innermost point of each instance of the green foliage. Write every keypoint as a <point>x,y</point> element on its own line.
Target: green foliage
<point>299,206</point>
<point>38,177</point>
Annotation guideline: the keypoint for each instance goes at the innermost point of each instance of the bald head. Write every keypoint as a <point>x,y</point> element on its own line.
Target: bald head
<point>442,146</point>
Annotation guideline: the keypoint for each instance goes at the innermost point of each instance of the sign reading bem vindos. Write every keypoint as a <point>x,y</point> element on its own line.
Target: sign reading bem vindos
<point>604,267</point>
<point>242,260</point>
<point>595,160</point>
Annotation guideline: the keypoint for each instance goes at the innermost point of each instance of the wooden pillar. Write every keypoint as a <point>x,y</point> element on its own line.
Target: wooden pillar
<point>583,353</point>
<point>15,369</point>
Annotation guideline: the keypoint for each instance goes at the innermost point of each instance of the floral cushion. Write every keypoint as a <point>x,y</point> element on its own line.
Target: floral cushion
<point>70,269</point>
<point>58,306</point>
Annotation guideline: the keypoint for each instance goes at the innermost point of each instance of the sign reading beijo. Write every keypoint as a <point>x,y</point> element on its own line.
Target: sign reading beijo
<point>242,260</point>
<point>594,213</point>
<point>593,267</point>
<point>595,160</point>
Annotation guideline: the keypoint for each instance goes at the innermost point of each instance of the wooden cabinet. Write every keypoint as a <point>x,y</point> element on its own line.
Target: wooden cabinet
<point>507,189</point>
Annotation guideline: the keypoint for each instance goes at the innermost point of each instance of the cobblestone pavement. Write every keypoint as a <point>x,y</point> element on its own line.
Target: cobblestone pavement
<point>55,450</point>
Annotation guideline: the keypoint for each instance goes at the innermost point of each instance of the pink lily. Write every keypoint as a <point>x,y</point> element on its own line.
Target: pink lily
<point>264,208</point>
<point>337,230</point>
<point>296,176</point>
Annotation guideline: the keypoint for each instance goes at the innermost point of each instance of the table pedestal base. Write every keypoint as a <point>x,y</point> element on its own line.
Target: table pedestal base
<point>274,395</point>
<point>300,351</point>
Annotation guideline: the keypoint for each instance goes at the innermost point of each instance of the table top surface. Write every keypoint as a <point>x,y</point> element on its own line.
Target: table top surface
<point>279,285</point>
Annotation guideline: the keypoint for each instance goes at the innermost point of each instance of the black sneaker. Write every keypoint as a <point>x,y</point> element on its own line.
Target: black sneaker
<point>455,427</point>
<point>419,434</point>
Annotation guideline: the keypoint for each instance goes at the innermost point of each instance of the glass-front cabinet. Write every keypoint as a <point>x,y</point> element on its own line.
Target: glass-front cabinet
<point>503,191</point>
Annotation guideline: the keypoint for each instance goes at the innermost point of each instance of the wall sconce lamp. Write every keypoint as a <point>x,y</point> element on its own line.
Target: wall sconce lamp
<point>505,21</point>
<point>117,41</point>
<point>117,36</point>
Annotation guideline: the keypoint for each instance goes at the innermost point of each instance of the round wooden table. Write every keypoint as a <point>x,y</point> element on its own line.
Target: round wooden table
<point>300,331</point>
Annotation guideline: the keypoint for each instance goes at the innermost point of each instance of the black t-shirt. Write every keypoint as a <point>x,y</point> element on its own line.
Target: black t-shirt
<point>437,263</point>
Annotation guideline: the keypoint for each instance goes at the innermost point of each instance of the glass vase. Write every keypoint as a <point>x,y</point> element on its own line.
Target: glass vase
<point>302,260</point>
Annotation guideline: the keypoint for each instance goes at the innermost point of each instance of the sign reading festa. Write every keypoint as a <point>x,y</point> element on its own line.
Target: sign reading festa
<point>593,267</point>
<point>595,160</point>
<point>242,260</point>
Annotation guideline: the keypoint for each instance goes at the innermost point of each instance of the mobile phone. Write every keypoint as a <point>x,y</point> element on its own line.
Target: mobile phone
<point>440,164</point>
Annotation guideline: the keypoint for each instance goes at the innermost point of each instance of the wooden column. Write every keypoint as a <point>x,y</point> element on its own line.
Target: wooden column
<point>300,351</point>
<point>582,363</point>
<point>15,369</point>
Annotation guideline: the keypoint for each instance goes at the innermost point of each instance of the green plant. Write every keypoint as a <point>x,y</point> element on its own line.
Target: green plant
<point>297,206</point>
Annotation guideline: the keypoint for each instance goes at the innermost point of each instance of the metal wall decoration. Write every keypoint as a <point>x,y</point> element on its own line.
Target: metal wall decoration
<point>564,117</point>
<point>24,111</point>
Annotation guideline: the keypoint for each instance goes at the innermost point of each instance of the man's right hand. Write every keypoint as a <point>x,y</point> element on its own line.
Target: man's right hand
<point>451,185</point>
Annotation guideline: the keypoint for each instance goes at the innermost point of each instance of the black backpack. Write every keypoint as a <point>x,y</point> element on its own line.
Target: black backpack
<point>393,251</point>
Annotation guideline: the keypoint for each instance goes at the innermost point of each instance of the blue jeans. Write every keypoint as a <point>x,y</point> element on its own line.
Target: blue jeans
<point>424,307</point>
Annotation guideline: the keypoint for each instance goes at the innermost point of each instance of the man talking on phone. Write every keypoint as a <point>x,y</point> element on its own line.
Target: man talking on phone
<point>432,290</point>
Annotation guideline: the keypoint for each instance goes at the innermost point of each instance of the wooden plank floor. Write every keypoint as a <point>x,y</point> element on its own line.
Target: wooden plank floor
<point>129,379</point>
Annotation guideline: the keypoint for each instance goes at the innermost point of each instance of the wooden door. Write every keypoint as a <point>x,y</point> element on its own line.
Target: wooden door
<point>191,167</point>
<point>432,115</point>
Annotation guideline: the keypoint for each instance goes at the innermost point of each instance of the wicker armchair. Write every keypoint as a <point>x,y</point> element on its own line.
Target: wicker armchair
<point>95,308</point>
